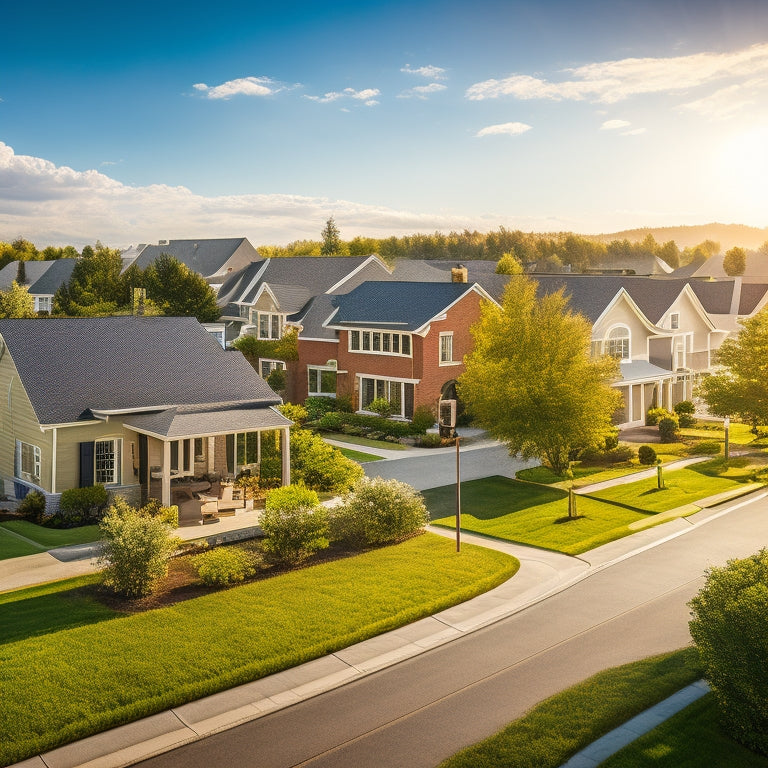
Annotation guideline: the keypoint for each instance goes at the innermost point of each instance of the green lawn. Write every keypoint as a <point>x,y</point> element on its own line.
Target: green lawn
<point>691,739</point>
<point>12,546</point>
<point>359,456</point>
<point>70,683</point>
<point>565,723</point>
<point>582,475</point>
<point>738,434</point>
<point>683,486</point>
<point>50,538</point>
<point>354,440</point>
<point>529,514</point>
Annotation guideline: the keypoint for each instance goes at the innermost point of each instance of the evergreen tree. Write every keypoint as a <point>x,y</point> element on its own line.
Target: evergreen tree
<point>331,239</point>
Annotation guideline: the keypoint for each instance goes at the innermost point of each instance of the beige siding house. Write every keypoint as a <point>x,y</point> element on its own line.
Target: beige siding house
<point>144,406</point>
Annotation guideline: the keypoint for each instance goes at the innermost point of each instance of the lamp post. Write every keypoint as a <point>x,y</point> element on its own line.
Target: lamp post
<point>458,496</point>
<point>727,426</point>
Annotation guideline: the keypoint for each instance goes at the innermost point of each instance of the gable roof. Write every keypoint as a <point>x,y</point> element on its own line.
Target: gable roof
<point>73,367</point>
<point>42,277</point>
<point>401,306</point>
<point>208,257</point>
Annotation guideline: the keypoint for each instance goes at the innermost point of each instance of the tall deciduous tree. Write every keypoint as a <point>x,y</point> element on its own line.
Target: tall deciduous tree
<point>178,291</point>
<point>741,388</point>
<point>509,264</point>
<point>530,380</point>
<point>735,261</point>
<point>95,287</point>
<point>331,238</point>
<point>16,302</point>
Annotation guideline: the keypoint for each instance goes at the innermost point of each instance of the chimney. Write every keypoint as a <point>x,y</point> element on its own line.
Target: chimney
<point>459,274</point>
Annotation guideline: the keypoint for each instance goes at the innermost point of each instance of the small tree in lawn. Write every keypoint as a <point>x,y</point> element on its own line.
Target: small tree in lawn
<point>530,380</point>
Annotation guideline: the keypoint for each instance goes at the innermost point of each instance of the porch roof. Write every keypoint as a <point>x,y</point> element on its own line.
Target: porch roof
<point>642,370</point>
<point>186,422</point>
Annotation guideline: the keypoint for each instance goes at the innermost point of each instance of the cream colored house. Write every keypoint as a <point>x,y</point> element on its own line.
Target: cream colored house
<point>142,405</point>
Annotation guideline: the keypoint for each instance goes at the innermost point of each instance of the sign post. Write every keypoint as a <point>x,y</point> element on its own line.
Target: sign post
<point>458,496</point>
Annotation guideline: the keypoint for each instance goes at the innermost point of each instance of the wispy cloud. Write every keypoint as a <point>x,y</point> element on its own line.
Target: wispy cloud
<point>634,132</point>
<point>243,86</point>
<point>504,129</point>
<point>422,91</point>
<point>56,205</point>
<point>367,96</point>
<point>612,81</point>
<point>729,101</point>
<point>429,72</point>
<point>612,125</point>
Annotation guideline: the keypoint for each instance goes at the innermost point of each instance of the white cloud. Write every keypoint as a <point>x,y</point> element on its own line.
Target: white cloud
<point>56,205</point>
<point>422,91</point>
<point>507,129</point>
<point>634,132</point>
<point>727,102</point>
<point>243,86</point>
<point>366,96</point>
<point>612,125</point>
<point>612,81</point>
<point>429,72</point>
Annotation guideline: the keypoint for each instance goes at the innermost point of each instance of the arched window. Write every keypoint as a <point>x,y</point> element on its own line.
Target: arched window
<point>617,342</point>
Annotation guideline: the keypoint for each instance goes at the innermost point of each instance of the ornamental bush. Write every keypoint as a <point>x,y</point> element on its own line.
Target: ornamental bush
<point>317,407</point>
<point>320,466</point>
<point>83,506</point>
<point>294,533</point>
<point>224,565</point>
<point>685,410</point>
<point>296,413</point>
<point>646,455</point>
<point>668,429</point>
<point>423,419</point>
<point>292,497</point>
<point>729,630</point>
<point>331,422</point>
<point>655,415</point>
<point>136,550</point>
<point>430,440</point>
<point>378,512</point>
<point>32,507</point>
<point>380,405</point>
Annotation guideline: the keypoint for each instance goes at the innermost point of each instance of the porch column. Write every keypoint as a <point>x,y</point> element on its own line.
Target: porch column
<point>286,455</point>
<point>54,443</point>
<point>166,482</point>
<point>211,455</point>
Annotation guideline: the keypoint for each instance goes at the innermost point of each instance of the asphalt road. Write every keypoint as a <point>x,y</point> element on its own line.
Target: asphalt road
<point>423,710</point>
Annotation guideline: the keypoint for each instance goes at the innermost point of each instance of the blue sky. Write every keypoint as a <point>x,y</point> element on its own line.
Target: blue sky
<point>134,122</point>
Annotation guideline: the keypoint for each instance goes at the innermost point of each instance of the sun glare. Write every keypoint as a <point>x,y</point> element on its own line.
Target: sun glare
<point>743,171</point>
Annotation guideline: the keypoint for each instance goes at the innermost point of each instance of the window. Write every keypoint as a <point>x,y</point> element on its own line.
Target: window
<point>322,381</point>
<point>43,303</point>
<point>270,325</point>
<point>674,321</point>
<point>617,343</point>
<point>27,462</point>
<point>679,354</point>
<point>399,393</point>
<point>446,348</point>
<point>380,342</point>
<point>247,448</point>
<point>106,455</point>
<point>267,366</point>
<point>200,448</point>
<point>244,310</point>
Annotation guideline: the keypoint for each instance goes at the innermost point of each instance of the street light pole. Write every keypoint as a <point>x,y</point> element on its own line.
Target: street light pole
<point>458,496</point>
<point>727,425</point>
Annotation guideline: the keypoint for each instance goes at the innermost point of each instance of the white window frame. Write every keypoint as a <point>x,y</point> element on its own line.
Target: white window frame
<point>681,353</point>
<point>271,365</point>
<point>674,321</point>
<point>383,388</point>
<point>31,455</point>
<point>368,341</point>
<point>44,303</point>
<point>610,343</point>
<point>104,475</point>
<point>271,318</point>
<point>316,372</point>
<point>446,348</point>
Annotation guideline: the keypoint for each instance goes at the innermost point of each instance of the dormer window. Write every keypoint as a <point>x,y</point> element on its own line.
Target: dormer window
<point>674,321</point>
<point>617,343</point>
<point>269,325</point>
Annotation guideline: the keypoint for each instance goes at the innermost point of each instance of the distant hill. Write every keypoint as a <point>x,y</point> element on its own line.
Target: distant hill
<point>728,235</point>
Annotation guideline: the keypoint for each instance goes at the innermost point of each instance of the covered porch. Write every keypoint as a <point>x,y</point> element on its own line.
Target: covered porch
<point>190,456</point>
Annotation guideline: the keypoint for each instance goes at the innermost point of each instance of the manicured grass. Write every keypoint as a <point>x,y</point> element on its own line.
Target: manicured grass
<point>565,723</point>
<point>47,608</point>
<point>359,456</point>
<point>683,486</point>
<point>529,514</point>
<point>738,434</point>
<point>50,538</point>
<point>581,475</point>
<point>691,739</point>
<point>355,440</point>
<point>12,546</point>
<point>74,682</point>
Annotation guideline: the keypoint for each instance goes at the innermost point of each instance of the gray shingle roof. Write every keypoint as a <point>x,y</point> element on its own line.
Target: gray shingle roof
<point>43,277</point>
<point>751,295</point>
<point>71,366</point>
<point>206,257</point>
<point>405,306</point>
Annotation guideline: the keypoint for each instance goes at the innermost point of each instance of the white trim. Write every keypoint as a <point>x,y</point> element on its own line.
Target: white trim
<point>371,258</point>
<point>329,341</point>
<point>472,288</point>
<point>445,335</point>
<point>387,378</point>
<point>251,285</point>
<point>372,351</point>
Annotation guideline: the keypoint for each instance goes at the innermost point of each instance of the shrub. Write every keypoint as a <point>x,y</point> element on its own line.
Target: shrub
<point>82,506</point>
<point>136,550</point>
<point>382,406</point>
<point>169,515</point>
<point>320,466</point>
<point>277,379</point>
<point>685,410</point>
<point>618,455</point>
<point>655,415</point>
<point>32,507</point>
<point>612,441</point>
<point>430,440</point>
<point>423,419</point>
<point>705,448</point>
<point>294,533</point>
<point>331,421</point>
<point>224,565</point>
<point>296,413</point>
<point>728,628</point>
<point>378,512</point>
<point>646,455</point>
<point>668,429</point>
<point>317,407</point>
<point>292,497</point>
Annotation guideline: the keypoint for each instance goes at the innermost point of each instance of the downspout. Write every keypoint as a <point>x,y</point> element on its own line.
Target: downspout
<point>53,460</point>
